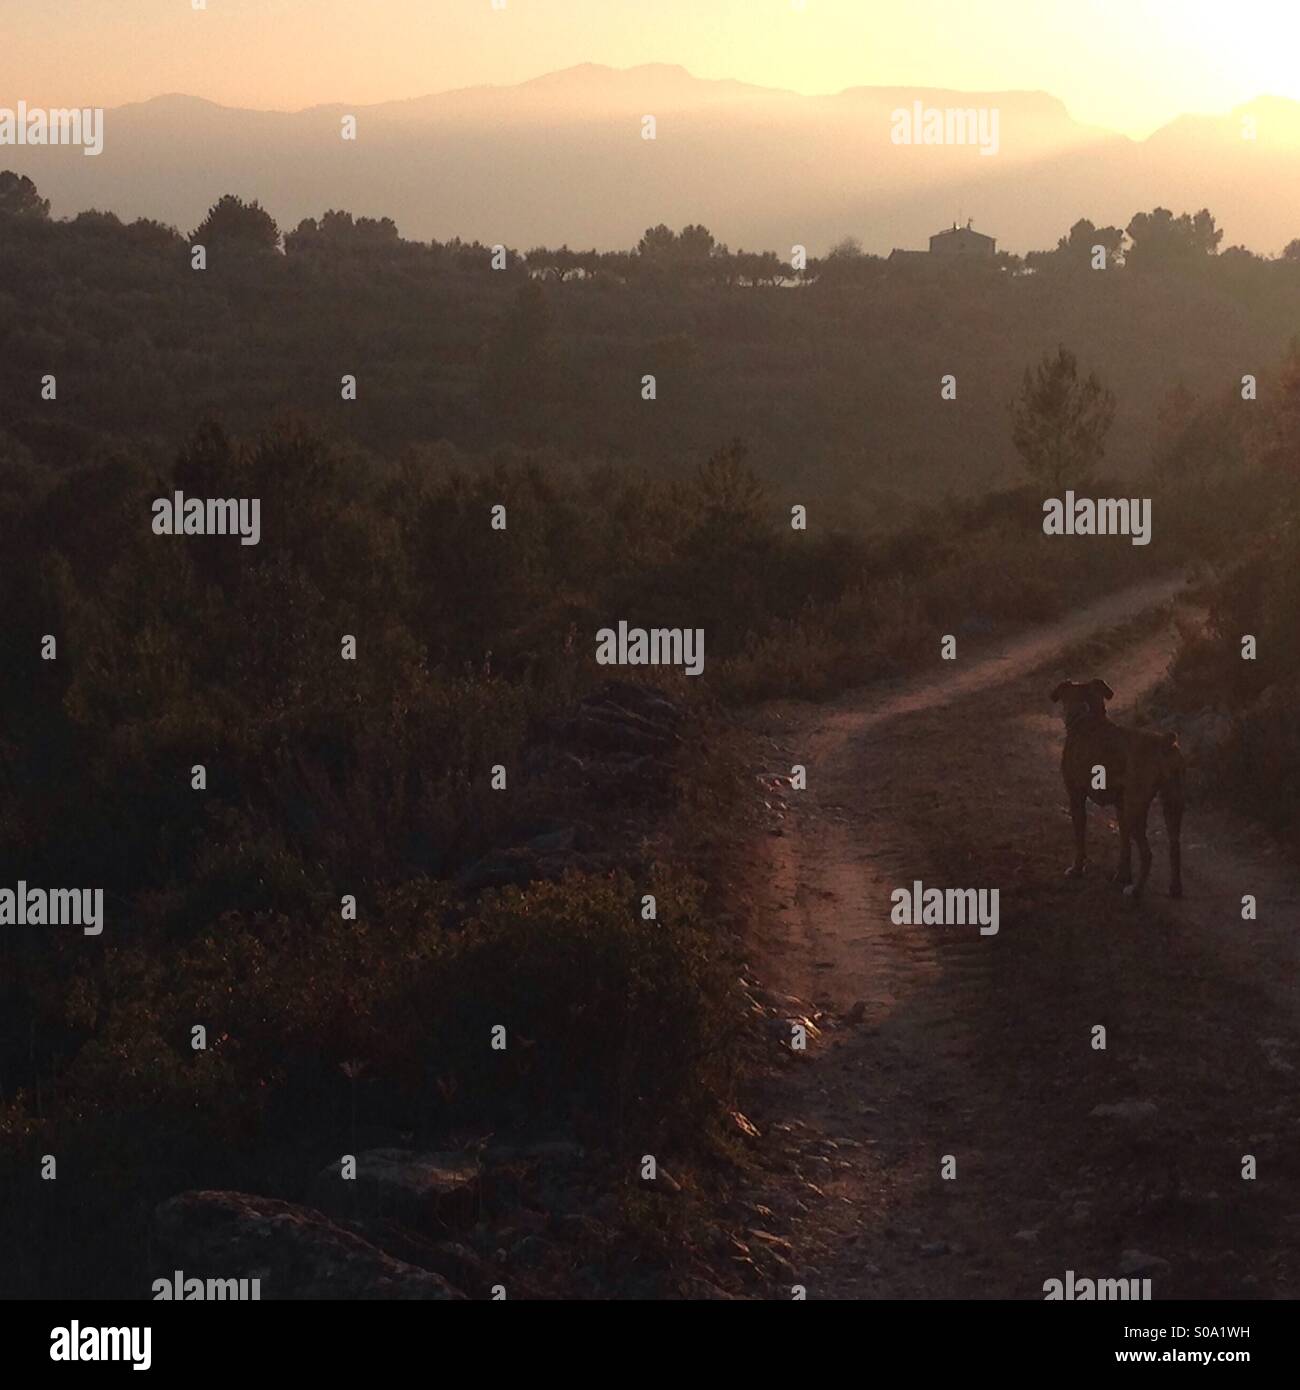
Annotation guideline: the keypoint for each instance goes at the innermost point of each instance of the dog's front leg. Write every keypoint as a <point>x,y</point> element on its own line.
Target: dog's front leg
<point>1079,816</point>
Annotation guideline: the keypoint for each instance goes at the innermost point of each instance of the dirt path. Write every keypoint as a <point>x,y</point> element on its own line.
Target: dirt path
<point>939,1041</point>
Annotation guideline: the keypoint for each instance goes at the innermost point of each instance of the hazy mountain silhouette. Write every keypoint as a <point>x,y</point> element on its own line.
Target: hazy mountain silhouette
<point>560,158</point>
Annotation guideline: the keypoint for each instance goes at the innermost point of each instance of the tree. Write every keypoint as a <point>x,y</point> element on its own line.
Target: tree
<point>1059,423</point>
<point>847,248</point>
<point>337,231</point>
<point>658,243</point>
<point>842,265</point>
<point>19,197</point>
<point>236,223</point>
<point>1161,239</point>
<point>726,491</point>
<point>695,243</point>
<point>762,267</point>
<point>1292,251</point>
<point>1084,235</point>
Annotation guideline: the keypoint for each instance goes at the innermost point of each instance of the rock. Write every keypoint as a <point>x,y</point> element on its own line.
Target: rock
<point>1134,1262</point>
<point>294,1251</point>
<point>1125,1110</point>
<point>1028,1236</point>
<point>771,1241</point>
<point>539,1150</point>
<point>553,842</point>
<point>458,1264</point>
<point>609,731</point>
<point>782,1029</point>
<point>935,1247</point>
<point>779,1003</point>
<point>821,1148</point>
<point>744,1125</point>
<point>422,1190</point>
<point>778,1265</point>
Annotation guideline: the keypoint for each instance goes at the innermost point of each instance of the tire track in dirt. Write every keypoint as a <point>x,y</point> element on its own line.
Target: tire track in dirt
<point>939,1041</point>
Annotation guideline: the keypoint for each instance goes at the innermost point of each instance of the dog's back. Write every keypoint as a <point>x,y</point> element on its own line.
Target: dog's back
<point>1141,757</point>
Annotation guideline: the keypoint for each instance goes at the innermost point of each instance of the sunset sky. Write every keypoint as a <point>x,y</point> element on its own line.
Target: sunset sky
<point>1130,65</point>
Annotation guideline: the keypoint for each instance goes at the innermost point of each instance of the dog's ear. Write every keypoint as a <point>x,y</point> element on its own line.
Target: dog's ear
<point>1060,690</point>
<point>1106,692</point>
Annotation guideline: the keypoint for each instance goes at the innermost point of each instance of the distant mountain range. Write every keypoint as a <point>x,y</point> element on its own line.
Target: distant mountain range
<point>561,159</point>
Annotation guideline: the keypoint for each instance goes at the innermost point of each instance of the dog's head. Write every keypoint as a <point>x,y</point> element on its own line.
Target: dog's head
<point>1081,700</point>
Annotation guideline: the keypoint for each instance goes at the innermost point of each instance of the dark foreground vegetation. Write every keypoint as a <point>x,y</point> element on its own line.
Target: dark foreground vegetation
<point>328,779</point>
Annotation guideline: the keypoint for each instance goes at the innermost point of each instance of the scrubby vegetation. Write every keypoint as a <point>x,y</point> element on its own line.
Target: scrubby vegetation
<point>1238,677</point>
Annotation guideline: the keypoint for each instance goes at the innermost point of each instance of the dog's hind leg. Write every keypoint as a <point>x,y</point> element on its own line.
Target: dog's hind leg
<point>1079,816</point>
<point>1138,828</point>
<point>1124,869</point>
<point>1171,803</point>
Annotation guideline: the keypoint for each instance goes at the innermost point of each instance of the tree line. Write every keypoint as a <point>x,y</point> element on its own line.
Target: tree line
<point>1150,241</point>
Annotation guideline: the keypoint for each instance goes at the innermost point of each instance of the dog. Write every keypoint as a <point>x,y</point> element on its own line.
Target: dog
<point>1139,765</point>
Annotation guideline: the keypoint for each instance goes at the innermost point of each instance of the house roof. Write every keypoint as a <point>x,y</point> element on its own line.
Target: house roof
<point>962,231</point>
